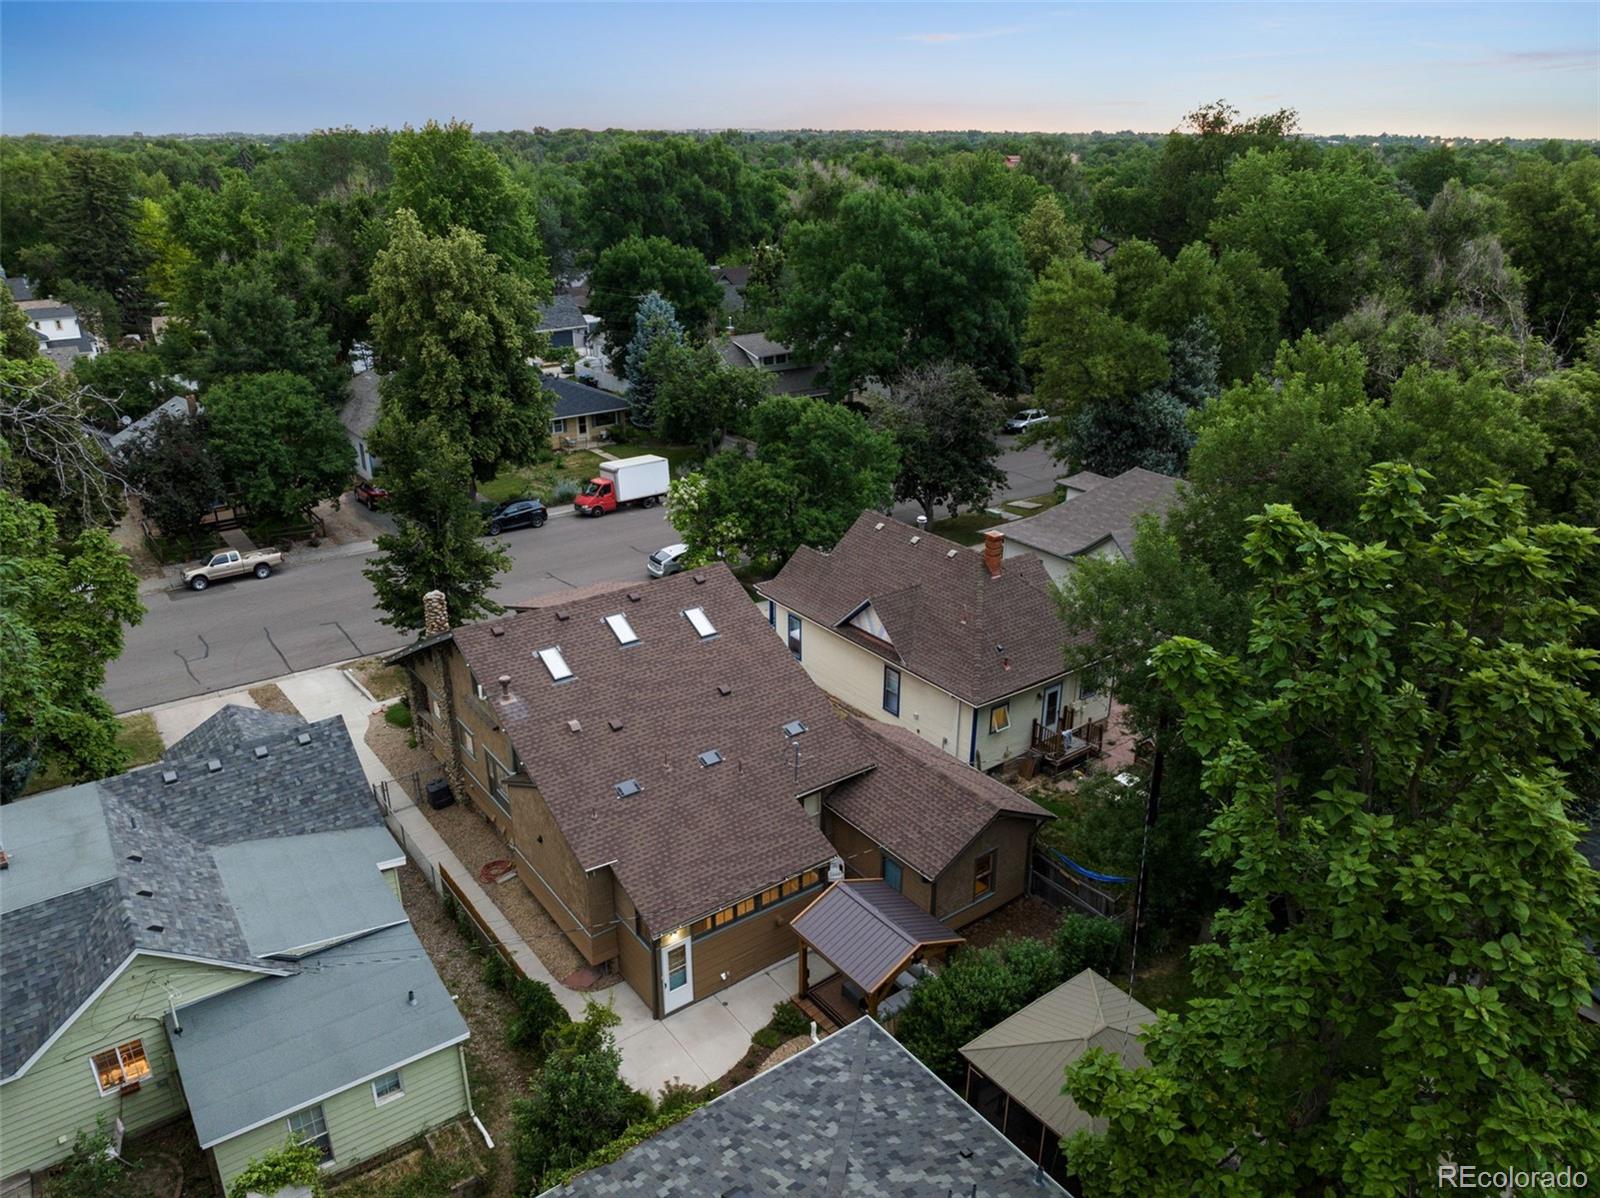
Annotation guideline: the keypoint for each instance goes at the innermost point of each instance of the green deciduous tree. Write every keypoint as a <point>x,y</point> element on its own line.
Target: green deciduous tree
<point>633,268</point>
<point>1045,233</point>
<point>452,181</point>
<point>176,475</point>
<point>893,280</point>
<point>945,423</point>
<point>437,543</point>
<point>133,381</point>
<point>281,450</point>
<point>66,601</point>
<point>818,466</point>
<point>1552,228</point>
<point>697,395</point>
<point>1397,983</point>
<point>453,332</point>
<point>578,1101</point>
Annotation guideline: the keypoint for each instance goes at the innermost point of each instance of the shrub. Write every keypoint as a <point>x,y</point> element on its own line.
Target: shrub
<point>1087,942</point>
<point>90,1171</point>
<point>398,714</point>
<point>540,1016</point>
<point>676,1096</point>
<point>563,492</point>
<point>290,1165</point>
<point>789,1021</point>
<point>497,974</point>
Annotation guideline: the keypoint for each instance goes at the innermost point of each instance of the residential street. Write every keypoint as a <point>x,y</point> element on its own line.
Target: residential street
<point>318,608</point>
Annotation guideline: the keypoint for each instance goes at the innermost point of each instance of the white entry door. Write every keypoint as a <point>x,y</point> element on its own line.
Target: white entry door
<point>1051,711</point>
<point>677,976</point>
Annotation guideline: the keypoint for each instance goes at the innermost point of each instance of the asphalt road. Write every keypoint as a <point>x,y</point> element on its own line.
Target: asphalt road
<point>318,610</point>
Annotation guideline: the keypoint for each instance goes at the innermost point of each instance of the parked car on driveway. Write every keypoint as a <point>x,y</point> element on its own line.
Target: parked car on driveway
<point>1026,419</point>
<point>371,494</point>
<point>230,563</point>
<point>517,513</point>
<point>666,561</point>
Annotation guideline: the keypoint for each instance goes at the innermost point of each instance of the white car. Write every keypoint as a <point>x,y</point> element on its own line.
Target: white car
<point>666,561</point>
<point>1026,419</point>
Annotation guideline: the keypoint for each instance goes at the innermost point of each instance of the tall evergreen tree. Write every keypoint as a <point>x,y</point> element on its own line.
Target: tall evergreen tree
<point>654,321</point>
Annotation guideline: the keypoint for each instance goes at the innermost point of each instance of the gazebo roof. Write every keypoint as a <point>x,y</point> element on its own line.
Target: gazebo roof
<point>869,930</point>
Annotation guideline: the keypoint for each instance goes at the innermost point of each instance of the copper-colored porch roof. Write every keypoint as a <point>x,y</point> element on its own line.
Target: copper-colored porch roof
<point>869,930</point>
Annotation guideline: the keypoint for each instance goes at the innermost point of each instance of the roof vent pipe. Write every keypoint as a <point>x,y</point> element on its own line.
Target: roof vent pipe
<point>411,998</point>
<point>922,522</point>
<point>505,686</point>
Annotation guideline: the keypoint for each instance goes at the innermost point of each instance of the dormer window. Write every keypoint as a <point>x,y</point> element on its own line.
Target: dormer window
<point>702,623</point>
<point>622,630</point>
<point>560,671</point>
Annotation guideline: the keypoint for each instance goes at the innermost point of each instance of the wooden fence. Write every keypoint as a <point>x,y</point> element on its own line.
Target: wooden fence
<point>1062,888</point>
<point>480,926</point>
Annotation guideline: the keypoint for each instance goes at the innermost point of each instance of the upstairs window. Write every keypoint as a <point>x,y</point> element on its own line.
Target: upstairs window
<point>794,635</point>
<point>891,690</point>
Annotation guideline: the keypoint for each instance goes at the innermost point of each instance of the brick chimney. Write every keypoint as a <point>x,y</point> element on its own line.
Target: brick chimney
<point>994,550</point>
<point>191,403</point>
<point>435,614</point>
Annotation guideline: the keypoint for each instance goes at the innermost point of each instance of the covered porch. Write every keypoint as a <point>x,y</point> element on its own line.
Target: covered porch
<point>878,943</point>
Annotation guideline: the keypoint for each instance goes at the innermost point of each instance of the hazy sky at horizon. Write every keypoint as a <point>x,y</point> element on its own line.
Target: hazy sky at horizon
<point>1465,70</point>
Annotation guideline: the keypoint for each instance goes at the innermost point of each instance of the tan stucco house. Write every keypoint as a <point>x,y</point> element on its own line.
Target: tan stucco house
<point>963,649</point>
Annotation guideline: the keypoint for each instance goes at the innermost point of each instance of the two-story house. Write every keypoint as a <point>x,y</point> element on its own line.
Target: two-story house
<point>219,934</point>
<point>670,782</point>
<point>963,649</point>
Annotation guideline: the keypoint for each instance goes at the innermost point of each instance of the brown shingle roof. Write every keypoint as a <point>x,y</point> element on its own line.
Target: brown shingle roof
<point>980,638</point>
<point>694,838</point>
<point>1106,510</point>
<point>921,803</point>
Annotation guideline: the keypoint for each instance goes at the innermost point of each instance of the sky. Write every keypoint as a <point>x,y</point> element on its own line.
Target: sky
<point>1453,70</point>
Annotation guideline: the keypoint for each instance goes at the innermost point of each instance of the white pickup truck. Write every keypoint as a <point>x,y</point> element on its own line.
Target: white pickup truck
<point>230,563</point>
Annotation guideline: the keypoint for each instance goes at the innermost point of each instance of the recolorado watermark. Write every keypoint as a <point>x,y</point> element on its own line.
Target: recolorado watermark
<point>1474,1177</point>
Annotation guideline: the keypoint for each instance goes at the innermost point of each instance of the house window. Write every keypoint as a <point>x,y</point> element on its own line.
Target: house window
<point>892,874</point>
<point>772,613</point>
<point>557,427</point>
<point>983,876</point>
<point>756,902</point>
<point>1088,683</point>
<point>794,635</point>
<point>468,745</point>
<point>309,1127</point>
<point>497,775</point>
<point>999,718</point>
<point>602,419</point>
<point>387,1088</point>
<point>434,706</point>
<point>120,1066</point>
<point>891,690</point>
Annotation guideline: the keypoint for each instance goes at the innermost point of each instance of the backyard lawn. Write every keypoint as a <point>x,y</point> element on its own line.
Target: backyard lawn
<point>967,528</point>
<point>681,459</point>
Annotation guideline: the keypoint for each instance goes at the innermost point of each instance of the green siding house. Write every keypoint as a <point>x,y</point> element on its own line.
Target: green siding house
<point>220,936</point>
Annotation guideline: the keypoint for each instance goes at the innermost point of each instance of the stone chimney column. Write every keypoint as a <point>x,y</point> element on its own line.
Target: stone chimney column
<point>191,403</point>
<point>994,550</point>
<point>435,614</point>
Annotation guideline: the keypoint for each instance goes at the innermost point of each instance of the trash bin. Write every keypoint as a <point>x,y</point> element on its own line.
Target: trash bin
<point>439,795</point>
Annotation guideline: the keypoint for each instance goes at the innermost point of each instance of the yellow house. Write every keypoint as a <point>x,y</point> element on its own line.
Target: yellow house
<point>963,649</point>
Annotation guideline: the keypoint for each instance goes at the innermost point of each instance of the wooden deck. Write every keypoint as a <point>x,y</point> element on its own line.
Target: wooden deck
<point>828,998</point>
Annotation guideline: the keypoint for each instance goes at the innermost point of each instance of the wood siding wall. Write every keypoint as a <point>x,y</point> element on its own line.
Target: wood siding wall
<point>580,903</point>
<point>57,1097</point>
<point>746,947</point>
<point>1011,837</point>
<point>359,1127</point>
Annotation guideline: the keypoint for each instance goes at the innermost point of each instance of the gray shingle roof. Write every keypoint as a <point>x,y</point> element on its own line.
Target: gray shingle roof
<point>20,286</point>
<point>760,345</point>
<point>176,408</point>
<point>855,1115</point>
<point>911,777</point>
<point>948,621</point>
<point>258,1052</point>
<point>580,399</point>
<point>669,844</point>
<point>233,725</point>
<point>360,410</point>
<point>1108,509</point>
<point>100,871</point>
<point>560,313</point>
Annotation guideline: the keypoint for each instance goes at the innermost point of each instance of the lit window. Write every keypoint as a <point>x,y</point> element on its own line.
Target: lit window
<point>794,635</point>
<point>891,690</point>
<point>768,897</point>
<point>560,671</point>
<point>792,886</point>
<point>120,1066</point>
<point>309,1127</point>
<point>983,875</point>
<point>743,907</point>
<point>1000,717</point>
<point>702,623</point>
<point>621,629</point>
<point>387,1088</point>
<point>810,878</point>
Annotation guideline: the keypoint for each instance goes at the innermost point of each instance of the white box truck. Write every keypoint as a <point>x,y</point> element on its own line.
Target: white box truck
<point>625,482</point>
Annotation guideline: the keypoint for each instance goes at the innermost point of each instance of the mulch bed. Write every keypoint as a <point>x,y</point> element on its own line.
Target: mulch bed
<point>1031,917</point>
<point>269,697</point>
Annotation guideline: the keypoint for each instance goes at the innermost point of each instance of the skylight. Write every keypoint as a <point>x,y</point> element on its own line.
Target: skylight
<point>621,629</point>
<point>560,671</point>
<point>627,788</point>
<point>702,623</point>
<point>710,757</point>
<point>793,728</point>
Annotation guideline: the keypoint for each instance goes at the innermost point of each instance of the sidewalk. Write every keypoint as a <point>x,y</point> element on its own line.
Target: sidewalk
<point>696,1045</point>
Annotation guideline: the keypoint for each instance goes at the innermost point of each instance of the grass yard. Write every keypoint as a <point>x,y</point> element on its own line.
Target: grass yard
<point>540,480</point>
<point>136,735</point>
<point>967,528</point>
<point>681,459</point>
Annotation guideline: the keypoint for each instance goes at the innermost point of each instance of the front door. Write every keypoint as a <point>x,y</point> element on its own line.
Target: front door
<point>677,978</point>
<point>1051,712</point>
